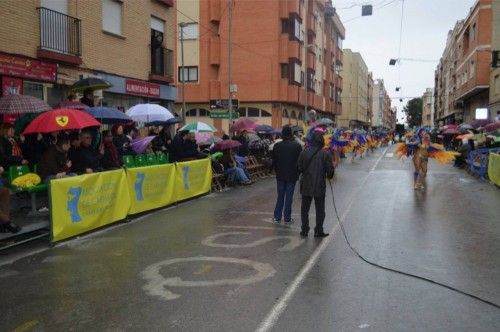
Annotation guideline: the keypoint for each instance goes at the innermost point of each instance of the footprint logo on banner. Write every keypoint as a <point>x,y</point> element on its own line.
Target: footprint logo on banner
<point>139,181</point>
<point>74,194</point>
<point>185,177</point>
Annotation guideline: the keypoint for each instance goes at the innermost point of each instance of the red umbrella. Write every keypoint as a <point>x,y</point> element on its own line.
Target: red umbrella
<point>244,124</point>
<point>492,126</point>
<point>72,105</point>
<point>227,144</point>
<point>60,119</point>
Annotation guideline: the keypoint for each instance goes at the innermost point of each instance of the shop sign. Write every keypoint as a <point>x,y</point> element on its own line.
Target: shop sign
<point>223,115</point>
<point>27,68</point>
<point>139,88</point>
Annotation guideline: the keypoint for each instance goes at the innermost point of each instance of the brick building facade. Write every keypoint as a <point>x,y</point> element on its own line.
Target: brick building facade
<point>272,41</point>
<point>463,74</point>
<point>103,38</point>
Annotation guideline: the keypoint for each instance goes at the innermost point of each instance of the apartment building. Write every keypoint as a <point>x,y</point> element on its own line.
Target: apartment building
<point>282,51</point>
<point>381,105</point>
<point>494,104</point>
<point>47,45</point>
<point>463,74</point>
<point>370,97</point>
<point>428,108</point>
<point>355,98</point>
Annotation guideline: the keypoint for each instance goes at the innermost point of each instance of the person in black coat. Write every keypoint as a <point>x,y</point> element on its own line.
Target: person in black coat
<point>177,146</point>
<point>285,155</point>
<point>88,158</point>
<point>190,147</point>
<point>316,165</point>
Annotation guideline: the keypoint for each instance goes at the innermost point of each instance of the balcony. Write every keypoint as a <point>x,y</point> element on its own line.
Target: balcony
<point>214,10</point>
<point>60,37</point>
<point>162,65</point>
<point>168,3</point>
<point>214,51</point>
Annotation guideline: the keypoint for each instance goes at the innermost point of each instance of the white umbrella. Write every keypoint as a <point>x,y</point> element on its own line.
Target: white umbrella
<point>147,113</point>
<point>198,127</point>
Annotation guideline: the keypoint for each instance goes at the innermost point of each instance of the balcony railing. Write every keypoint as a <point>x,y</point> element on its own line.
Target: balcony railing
<point>162,62</point>
<point>59,32</point>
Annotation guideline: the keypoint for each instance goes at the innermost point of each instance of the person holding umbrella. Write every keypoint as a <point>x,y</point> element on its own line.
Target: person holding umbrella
<point>88,98</point>
<point>285,155</point>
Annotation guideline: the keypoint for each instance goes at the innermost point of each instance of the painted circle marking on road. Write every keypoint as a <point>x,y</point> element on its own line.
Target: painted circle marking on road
<point>157,283</point>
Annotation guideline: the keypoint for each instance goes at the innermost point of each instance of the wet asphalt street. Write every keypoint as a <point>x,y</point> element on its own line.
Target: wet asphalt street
<point>218,264</point>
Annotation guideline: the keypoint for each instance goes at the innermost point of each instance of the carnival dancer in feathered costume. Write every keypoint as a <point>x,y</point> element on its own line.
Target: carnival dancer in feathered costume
<point>337,144</point>
<point>420,147</point>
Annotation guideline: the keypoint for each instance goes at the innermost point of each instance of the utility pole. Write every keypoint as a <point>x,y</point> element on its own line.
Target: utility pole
<point>229,65</point>
<point>183,116</point>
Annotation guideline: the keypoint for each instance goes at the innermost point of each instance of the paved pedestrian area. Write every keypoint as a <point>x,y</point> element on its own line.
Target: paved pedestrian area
<point>218,263</point>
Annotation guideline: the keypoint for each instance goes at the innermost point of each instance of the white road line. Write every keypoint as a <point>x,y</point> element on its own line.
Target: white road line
<point>280,306</point>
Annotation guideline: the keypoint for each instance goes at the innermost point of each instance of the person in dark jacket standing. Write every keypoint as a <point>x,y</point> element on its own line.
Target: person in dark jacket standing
<point>285,155</point>
<point>315,164</point>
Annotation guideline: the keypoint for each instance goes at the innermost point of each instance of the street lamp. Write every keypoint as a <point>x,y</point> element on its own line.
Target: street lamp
<point>306,47</point>
<point>182,25</point>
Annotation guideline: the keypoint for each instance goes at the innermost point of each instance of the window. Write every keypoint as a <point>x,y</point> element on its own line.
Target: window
<point>285,25</point>
<point>265,114</point>
<point>253,112</point>
<point>284,70</point>
<point>191,74</point>
<point>298,30</point>
<point>242,112</point>
<point>339,42</point>
<point>112,16</point>
<point>33,89</point>
<point>473,32</point>
<point>203,112</point>
<point>297,73</point>
<point>191,112</point>
<point>311,78</point>
<point>472,69</point>
<point>497,84</point>
<point>190,31</point>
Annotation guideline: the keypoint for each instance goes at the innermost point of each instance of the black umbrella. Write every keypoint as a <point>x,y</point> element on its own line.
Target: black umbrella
<point>91,83</point>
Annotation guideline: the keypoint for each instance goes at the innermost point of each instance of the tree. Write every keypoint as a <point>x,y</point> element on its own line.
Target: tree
<point>413,111</point>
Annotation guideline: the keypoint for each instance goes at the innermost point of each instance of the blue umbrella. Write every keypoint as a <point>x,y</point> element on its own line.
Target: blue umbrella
<point>264,129</point>
<point>108,115</point>
<point>164,123</point>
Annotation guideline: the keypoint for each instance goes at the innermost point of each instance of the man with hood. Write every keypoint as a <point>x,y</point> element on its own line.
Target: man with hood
<point>316,165</point>
<point>285,155</point>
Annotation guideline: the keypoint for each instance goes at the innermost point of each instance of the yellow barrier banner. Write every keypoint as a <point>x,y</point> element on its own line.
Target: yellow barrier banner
<point>192,178</point>
<point>85,202</point>
<point>151,187</point>
<point>494,168</point>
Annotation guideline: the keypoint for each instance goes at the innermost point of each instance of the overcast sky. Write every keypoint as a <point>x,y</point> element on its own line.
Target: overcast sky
<point>425,28</point>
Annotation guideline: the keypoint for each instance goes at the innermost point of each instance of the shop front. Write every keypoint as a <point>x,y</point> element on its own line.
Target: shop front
<point>21,75</point>
<point>127,92</point>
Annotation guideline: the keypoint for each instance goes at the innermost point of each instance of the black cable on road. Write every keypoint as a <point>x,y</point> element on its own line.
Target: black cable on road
<point>399,271</point>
